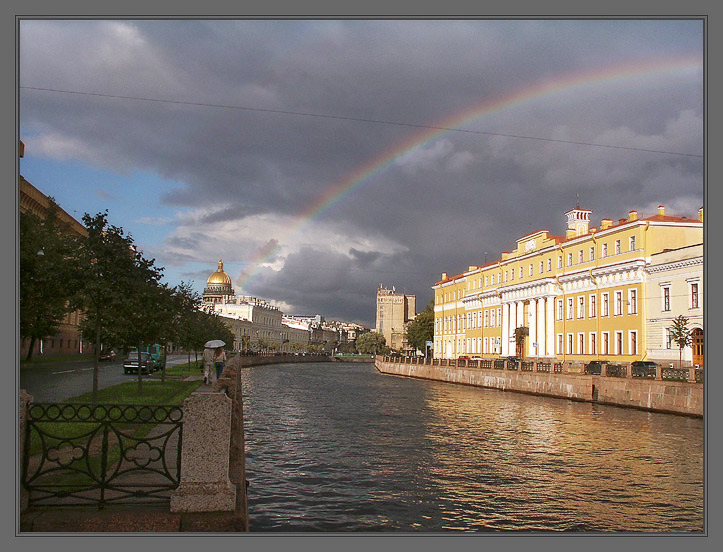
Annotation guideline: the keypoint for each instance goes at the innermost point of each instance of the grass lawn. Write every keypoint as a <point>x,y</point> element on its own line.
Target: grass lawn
<point>187,369</point>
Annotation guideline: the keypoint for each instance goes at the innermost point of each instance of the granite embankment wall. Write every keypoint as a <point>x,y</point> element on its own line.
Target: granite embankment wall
<point>649,394</point>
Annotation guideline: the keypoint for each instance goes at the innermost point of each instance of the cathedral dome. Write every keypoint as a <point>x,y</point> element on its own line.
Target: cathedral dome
<point>219,277</point>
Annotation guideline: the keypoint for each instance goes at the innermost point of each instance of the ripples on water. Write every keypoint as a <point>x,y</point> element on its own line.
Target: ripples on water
<point>341,447</point>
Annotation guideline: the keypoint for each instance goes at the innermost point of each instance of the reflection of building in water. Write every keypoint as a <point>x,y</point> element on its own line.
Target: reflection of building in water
<point>581,296</point>
<point>394,312</point>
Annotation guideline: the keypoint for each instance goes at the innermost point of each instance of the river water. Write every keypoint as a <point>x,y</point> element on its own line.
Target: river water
<point>340,447</point>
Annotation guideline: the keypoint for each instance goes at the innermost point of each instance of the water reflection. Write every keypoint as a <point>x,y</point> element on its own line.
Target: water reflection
<point>340,447</point>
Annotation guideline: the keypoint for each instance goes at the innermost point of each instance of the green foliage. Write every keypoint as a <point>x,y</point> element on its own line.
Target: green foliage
<point>421,329</point>
<point>47,274</point>
<point>681,335</point>
<point>521,333</point>
<point>348,347</point>
<point>371,343</point>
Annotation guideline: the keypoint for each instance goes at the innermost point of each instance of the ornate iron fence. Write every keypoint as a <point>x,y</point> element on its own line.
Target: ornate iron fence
<point>526,366</point>
<point>101,454</point>
<point>616,371</point>
<point>499,364</point>
<point>544,366</point>
<point>699,375</point>
<point>486,364</point>
<point>557,368</point>
<point>675,374</point>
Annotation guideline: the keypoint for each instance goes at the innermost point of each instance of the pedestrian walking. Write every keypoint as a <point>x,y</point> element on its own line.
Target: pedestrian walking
<point>219,360</point>
<point>209,375</point>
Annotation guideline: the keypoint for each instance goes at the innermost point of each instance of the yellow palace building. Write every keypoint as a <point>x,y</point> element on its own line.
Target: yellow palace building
<point>581,296</point>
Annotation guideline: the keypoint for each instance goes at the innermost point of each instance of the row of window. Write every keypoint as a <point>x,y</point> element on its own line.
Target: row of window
<point>618,305</point>
<point>510,274</point>
<point>611,343</point>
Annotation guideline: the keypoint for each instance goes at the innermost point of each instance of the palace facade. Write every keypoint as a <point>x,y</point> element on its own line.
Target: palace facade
<point>582,296</point>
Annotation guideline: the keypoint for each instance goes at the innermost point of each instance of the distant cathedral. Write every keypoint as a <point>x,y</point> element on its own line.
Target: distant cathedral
<point>218,286</point>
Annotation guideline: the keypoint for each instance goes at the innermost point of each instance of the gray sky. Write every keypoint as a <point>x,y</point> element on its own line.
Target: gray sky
<point>296,150</point>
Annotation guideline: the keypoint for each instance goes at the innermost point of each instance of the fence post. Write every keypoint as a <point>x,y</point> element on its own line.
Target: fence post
<point>205,485</point>
<point>25,399</point>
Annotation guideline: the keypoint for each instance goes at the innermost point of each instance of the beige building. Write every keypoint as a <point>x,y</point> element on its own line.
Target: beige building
<point>68,339</point>
<point>675,287</point>
<point>394,312</point>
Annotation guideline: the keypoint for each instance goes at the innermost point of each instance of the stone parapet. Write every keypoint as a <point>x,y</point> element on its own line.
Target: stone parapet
<point>205,485</point>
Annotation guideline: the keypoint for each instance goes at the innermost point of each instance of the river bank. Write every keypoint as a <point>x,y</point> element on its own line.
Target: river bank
<point>657,395</point>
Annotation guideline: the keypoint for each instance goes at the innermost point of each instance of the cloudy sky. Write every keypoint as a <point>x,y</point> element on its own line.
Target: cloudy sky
<point>321,159</point>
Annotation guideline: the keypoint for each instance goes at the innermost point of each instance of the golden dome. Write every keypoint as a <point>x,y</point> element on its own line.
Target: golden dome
<point>219,277</point>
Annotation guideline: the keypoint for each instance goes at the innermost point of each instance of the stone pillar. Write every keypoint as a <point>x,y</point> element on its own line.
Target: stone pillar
<point>25,399</point>
<point>532,312</point>
<point>550,326</point>
<point>691,374</point>
<point>505,323</point>
<point>205,485</point>
<point>541,350</point>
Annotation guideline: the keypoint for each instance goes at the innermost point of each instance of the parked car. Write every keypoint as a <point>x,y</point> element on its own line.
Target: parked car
<point>643,369</point>
<point>107,355</point>
<point>130,365</point>
<point>595,367</point>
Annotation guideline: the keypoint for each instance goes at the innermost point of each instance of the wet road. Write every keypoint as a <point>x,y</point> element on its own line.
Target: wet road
<point>58,381</point>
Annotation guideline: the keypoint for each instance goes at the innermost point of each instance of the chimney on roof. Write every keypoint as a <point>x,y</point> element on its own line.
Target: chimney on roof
<point>661,210</point>
<point>444,275</point>
<point>472,267</point>
<point>700,214</point>
<point>633,215</point>
<point>605,224</point>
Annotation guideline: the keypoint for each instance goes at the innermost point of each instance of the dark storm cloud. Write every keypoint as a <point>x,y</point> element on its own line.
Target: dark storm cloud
<point>444,204</point>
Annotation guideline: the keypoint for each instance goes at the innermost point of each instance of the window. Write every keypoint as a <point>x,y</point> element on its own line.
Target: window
<point>694,296</point>
<point>592,253</point>
<point>633,342</point>
<point>604,250</point>
<point>530,269</point>
<point>618,343</point>
<point>605,306</point>
<point>559,262</point>
<point>605,343</point>
<point>569,259</point>
<point>581,307</point>
<point>633,299</point>
<point>542,267</point>
<point>593,312</point>
<point>579,257</point>
<point>549,265</point>
<point>570,344</point>
<point>492,314</point>
<point>668,339</point>
<point>499,316</point>
<point>484,344</point>
<point>618,303</point>
<point>617,247</point>
<point>666,298</point>
<point>559,344</point>
<point>631,243</point>
<point>486,281</point>
<point>593,344</point>
<point>559,309</point>
<point>487,319</point>
<point>569,309</point>
<point>521,273</point>
<point>474,320</point>
<point>581,341</point>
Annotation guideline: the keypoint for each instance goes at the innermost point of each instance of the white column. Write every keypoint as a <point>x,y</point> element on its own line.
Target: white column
<point>532,313</point>
<point>550,326</point>
<point>541,328</point>
<point>505,323</point>
<point>511,329</point>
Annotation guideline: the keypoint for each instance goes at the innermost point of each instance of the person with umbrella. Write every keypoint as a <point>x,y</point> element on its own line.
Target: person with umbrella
<point>213,357</point>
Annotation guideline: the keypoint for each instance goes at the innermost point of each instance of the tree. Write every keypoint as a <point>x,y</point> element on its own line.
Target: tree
<point>105,261</point>
<point>681,335</point>
<point>421,329</point>
<point>47,272</point>
<point>521,333</point>
<point>371,343</point>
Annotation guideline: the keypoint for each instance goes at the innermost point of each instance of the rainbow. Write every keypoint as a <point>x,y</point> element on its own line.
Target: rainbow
<point>577,81</point>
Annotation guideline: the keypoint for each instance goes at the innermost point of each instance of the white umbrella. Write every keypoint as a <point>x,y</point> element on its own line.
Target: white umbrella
<point>214,343</point>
